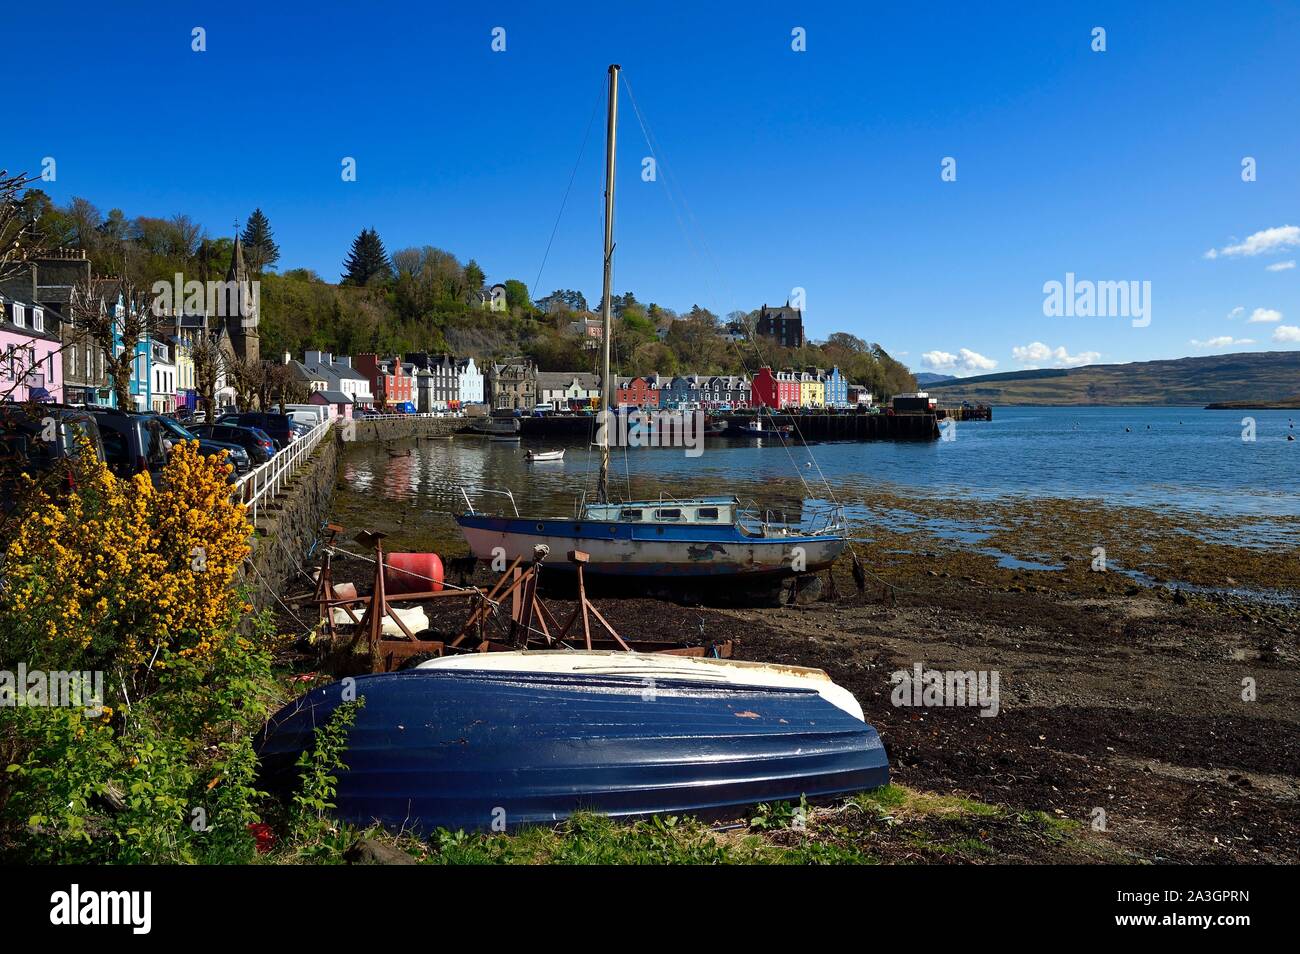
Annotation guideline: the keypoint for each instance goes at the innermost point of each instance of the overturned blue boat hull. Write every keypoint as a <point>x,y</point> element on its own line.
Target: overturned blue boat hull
<point>478,750</point>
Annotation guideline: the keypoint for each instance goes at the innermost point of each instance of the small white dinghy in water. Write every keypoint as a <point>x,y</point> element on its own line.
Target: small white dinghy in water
<point>651,665</point>
<point>546,455</point>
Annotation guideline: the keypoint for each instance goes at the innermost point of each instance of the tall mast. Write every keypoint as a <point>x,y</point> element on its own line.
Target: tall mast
<point>606,381</point>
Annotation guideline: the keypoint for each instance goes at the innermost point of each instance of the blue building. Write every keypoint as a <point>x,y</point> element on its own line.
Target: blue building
<point>837,388</point>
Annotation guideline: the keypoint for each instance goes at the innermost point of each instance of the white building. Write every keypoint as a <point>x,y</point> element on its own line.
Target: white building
<point>162,388</point>
<point>471,382</point>
<point>340,376</point>
<point>562,388</point>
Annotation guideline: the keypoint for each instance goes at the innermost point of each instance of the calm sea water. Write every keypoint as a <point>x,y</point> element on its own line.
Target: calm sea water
<point>1184,458</point>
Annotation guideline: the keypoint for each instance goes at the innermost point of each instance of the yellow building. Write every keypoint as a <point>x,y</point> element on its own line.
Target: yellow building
<point>812,392</point>
<point>184,374</point>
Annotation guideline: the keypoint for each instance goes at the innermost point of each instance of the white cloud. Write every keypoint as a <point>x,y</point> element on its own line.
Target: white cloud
<point>1280,266</point>
<point>975,361</point>
<point>939,360</point>
<point>965,360</point>
<point>1261,243</point>
<point>1264,315</point>
<point>1222,341</point>
<point>1039,353</point>
<point>1286,334</point>
<point>1236,312</point>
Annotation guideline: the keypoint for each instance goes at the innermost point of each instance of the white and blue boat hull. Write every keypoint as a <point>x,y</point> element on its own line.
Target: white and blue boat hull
<point>624,549</point>
<point>437,748</point>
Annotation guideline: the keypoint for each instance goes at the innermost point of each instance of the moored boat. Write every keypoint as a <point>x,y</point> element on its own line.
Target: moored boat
<point>546,455</point>
<point>669,539</point>
<point>703,536</point>
<point>472,748</point>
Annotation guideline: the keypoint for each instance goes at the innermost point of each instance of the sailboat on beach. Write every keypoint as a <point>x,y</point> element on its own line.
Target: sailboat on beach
<point>709,536</point>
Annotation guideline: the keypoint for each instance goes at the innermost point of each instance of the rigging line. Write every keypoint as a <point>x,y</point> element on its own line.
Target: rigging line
<point>712,263</point>
<point>652,145</point>
<point>565,201</point>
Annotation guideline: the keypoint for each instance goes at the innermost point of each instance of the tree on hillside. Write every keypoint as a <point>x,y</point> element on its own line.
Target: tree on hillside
<point>620,303</point>
<point>367,260</point>
<point>85,219</point>
<point>19,235</point>
<point>517,295</point>
<point>844,341</point>
<point>260,250</point>
<point>474,278</point>
<point>563,299</point>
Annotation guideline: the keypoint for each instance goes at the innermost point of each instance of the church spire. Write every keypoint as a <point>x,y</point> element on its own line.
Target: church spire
<point>242,327</point>
<point>238,269</point>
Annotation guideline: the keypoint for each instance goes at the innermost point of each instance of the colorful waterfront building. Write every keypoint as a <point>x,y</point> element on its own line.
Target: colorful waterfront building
<point>186,388</point>
<point>777,390</point>
<point>812,390</point>
<point>392,381</point>
<point>836,387</point>
<point>731,390</point>
<point>471,382</point>
<point>31,368</point>
<point>637,392</point>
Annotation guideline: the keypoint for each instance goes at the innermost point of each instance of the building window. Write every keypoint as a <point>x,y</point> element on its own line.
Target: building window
<point>20,315</point>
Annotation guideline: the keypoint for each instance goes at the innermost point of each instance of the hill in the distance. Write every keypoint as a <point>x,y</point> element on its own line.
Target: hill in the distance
<point>1270,377</point>
<point>926,379</point>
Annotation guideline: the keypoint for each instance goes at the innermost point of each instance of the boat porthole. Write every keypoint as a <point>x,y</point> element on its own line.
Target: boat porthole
<point>577,528</point>
<point>613,529</point>
<point>541,526</point>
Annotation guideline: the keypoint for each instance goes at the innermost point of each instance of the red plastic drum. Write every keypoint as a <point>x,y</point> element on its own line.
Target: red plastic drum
<point>412,573</point>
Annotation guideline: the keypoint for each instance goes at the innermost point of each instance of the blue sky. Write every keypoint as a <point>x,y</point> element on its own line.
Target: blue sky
<point>817,170</point>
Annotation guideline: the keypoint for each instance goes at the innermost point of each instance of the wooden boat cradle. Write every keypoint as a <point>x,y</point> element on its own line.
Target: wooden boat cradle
<point>531,623</point>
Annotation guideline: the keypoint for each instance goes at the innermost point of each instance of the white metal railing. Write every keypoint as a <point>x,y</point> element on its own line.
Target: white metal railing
<point>407,417</point>
<point>265,482</point>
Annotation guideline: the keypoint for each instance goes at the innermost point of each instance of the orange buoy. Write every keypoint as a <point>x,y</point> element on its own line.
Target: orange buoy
<point>412,573</point>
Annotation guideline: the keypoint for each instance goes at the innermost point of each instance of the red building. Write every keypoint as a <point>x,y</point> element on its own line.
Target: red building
<point>776,391</point>
<point>391,382</point>
<point>636,392</point>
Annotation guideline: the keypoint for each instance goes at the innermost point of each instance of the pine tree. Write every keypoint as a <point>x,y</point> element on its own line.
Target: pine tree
<point>260,250</point>
<point>366,260</point>
<point>474,278</point>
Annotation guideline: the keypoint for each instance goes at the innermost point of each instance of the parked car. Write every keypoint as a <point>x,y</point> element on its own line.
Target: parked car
<point>133,443</point>
<point>277,425</point>
<point>307,413</point>
<point>300,428</point>
<point>175,431</point>
<point>256,442</point>
<point>41,445</point>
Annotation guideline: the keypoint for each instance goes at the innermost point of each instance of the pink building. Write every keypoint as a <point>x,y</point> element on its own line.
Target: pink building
<point>31,367</point>
<point>338,403</point>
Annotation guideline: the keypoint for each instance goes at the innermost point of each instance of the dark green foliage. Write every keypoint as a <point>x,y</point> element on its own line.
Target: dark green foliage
<point>425,299</point>
<point>260,249</point>
<point>367,261</point>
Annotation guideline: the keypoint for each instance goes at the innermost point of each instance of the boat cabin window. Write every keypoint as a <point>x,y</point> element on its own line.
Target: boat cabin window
<point>668,513</point>
<point>630,515</point>
<point>707,513</point>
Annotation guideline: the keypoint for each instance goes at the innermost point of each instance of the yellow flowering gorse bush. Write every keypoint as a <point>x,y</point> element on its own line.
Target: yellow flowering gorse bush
<point>119,568</point>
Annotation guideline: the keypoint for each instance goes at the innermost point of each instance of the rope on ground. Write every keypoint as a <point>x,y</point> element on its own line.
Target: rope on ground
<point>307,630</point>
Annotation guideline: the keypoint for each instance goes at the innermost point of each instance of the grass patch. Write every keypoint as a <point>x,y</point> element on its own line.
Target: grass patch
<point>891,824</point>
